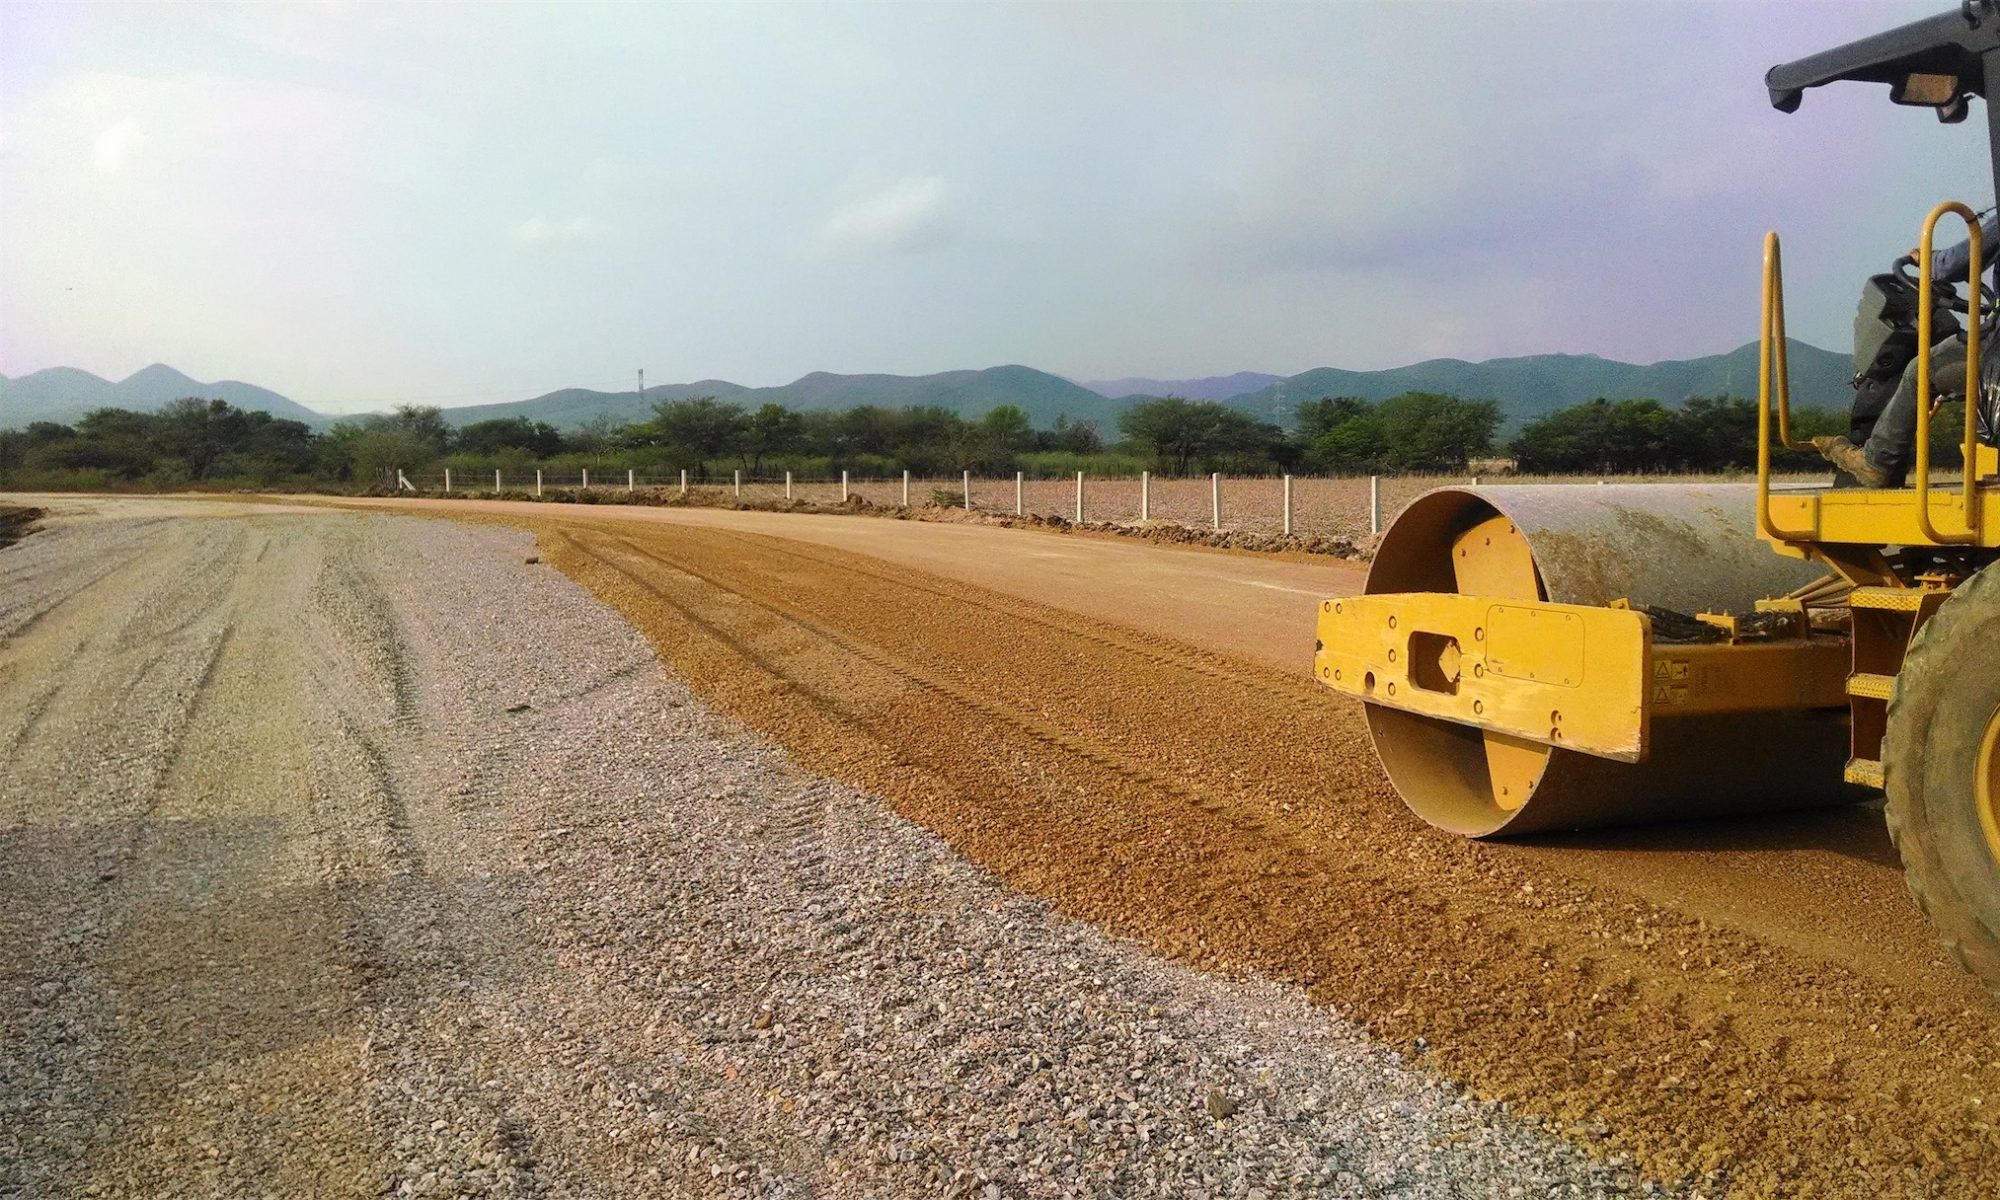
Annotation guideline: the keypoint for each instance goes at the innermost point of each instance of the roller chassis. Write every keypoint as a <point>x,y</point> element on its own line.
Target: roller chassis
<point>1499,706</point>
<point>1553,658</point>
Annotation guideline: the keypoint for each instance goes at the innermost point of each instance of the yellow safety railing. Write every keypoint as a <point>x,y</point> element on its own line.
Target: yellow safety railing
<point>1772,367</point>
<point>1926,302</point>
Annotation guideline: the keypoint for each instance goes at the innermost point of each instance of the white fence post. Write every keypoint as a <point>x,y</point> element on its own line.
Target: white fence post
<point>1079,497</point>
<point>843,486</point>
<point>906,489</point>
<point>1288,506</point>
<point>402,481</point>
<point>496,483</point>
<point>684,481</point>
<point>586,479</point>
<point>1020,491</point>
<point>788,485</point>
<point>631,479</point>
<point>968,491</point>
<point>1374,505</point>
<point>538,483</point>
<point>447,481</point>
<point>739,483</point>
<point>1145,496</point>
<point>1475,481</point>
<point>1215,500</point>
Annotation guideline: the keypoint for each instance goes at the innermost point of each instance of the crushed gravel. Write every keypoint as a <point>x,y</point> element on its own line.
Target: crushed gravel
<point>350,920</point>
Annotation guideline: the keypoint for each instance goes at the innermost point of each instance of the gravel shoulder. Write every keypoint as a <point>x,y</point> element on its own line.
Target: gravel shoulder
<point>348,854</point>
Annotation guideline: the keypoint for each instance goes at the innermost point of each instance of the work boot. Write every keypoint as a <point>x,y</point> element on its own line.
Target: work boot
<point>1853,460</point>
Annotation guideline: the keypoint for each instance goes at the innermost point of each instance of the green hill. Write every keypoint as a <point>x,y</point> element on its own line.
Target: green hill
<point>1043,396</point>
<point>572,408</point>
<point>1530,387</point>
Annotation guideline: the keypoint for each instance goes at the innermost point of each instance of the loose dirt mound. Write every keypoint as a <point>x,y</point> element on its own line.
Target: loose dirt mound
<point>17,522</point>
<point>1234,816</point>
<point>1164,532</point>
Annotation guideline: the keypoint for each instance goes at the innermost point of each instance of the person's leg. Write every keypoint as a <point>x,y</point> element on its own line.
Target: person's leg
<point>1871,396</point>
<point>1880,338</point>
<point>1892,446</point>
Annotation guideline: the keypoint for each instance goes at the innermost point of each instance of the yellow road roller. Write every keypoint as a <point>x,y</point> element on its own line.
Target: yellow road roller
<point>1538,658</point>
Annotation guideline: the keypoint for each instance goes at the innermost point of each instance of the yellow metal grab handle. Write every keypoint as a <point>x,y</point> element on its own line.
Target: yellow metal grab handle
<point>1771,363</point>
<point>1926,302</point>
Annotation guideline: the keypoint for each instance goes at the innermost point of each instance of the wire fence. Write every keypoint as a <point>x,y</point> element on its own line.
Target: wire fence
<point>1329,506</point>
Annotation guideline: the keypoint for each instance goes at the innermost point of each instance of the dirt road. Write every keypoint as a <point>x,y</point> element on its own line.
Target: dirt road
<point>1255,606</point>
<point>356,855</point>
<point>1753,1005</point>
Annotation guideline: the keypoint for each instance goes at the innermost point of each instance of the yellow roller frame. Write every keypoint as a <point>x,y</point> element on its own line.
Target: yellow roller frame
<point>1926,303</point>
<point>1557,674</point>
<point>1795,522</point>
<point>1573,676</point>
<point>1486,702</point>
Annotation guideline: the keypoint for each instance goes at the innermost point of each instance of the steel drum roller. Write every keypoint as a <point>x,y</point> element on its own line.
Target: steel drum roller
<point>1688,548</point>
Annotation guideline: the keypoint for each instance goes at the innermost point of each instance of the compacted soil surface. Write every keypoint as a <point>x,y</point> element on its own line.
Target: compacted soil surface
<point>365,855</point>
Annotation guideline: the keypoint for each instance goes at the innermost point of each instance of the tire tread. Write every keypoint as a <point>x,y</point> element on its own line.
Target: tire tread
<point>1917,700</point>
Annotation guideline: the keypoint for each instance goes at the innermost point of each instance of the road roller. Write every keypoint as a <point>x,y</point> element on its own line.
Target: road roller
<point>1555,657</point>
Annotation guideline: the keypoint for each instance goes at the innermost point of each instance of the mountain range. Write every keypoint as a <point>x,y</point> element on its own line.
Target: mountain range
<point>1525,388</point>
<point>1541,383</point>
<point>1043,396</point>
<point>65,393</point>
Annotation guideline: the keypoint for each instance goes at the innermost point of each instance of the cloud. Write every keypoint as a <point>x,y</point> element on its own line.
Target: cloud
<point>540,231</point>
<point>906,216</point>
<point>114,146</point>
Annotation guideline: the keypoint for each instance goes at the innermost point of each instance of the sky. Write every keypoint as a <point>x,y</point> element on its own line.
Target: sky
<point>363,204</point>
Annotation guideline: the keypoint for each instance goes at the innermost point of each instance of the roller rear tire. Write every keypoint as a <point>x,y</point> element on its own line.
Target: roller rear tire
<point>1941,767</point>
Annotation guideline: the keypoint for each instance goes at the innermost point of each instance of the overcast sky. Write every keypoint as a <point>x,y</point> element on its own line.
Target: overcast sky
<point>358,204</point>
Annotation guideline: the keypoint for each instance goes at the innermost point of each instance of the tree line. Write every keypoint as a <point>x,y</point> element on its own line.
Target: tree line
<point>194,441</point>
<point>1707,433</point>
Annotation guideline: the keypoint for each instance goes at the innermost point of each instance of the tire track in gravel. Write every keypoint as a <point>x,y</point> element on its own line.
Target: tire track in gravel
<point>395,939</point>
<point>671,1119</point>
<point>53,597</point>
<point>62,991</point>
<point>230,1065</point>
<point>64,596</point>
<point>131,632</point>
<point>36,583</point>
<point>230,972</point>
<point>1708,1054</point>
